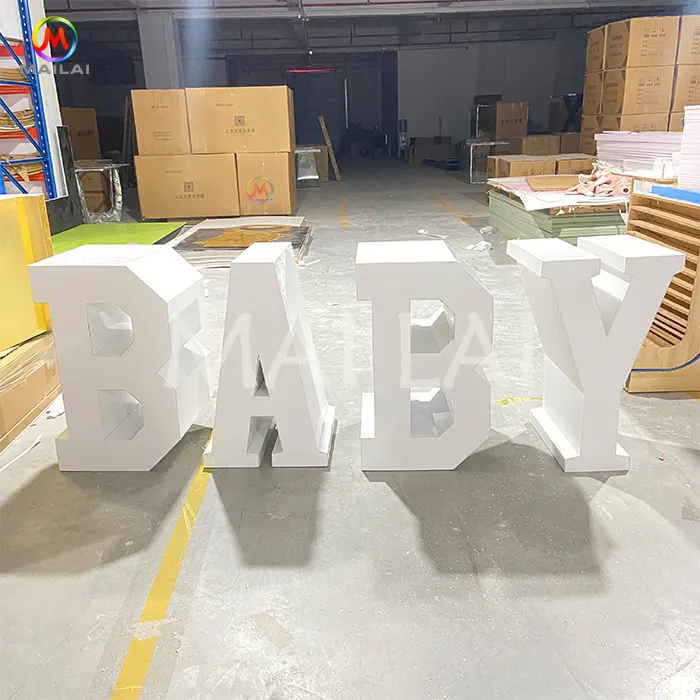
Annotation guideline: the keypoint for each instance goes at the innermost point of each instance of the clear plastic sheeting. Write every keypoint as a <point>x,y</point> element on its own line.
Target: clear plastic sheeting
<point>307,172</point>
<point>114,215</point>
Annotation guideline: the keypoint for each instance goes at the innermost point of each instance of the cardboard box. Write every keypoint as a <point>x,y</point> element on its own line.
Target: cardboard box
<point>545,145</point>
<point>29,382</point>
<point>642,42</point>
<point>510,120</point>
<point>522,166</point>
<point>199,186</point>
<point>579,163</point>
<point>635,122</point>
<point>570,142</point>
<point>590,126</point>
<point>96,188</point>
<point>84,136</point>
<point>687,88</point>
<point>638,91</point>
<point>241,120</point>
<point>593,93</point>
<point>267,183</point>
<point>321,159</point>
<point>552,183</point>
<point>689,42</point>
<point>595,50</point>
<point>161,123</point>
<point>676,121</point>
<point>422,147</point>
<point>492,166</point>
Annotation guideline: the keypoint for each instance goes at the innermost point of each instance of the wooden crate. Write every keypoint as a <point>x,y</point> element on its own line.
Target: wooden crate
<point>670,357</point>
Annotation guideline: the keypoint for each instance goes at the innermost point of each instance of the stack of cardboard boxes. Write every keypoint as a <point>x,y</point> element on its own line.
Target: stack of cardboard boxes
<point>686,90</point>
<point>208,152</point>
<point>506,121</point>
<point>509,120</point>
<point>640,75</point>
<point>526,165</point>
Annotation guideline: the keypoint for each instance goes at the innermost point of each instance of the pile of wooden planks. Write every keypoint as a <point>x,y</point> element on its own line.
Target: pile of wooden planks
<point>670,357</point>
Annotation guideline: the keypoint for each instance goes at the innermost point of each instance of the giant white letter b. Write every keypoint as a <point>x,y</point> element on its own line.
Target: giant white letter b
<point>134,379</point>
<point>431,406</point>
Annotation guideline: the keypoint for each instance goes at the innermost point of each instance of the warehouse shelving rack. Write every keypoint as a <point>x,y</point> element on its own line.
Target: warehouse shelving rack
<point>29,84</point>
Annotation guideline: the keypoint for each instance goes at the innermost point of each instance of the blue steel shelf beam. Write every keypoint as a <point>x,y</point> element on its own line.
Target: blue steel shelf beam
<point>30,70</point>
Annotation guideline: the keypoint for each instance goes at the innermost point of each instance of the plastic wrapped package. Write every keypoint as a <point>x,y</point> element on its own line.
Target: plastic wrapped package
<point>29,382</point>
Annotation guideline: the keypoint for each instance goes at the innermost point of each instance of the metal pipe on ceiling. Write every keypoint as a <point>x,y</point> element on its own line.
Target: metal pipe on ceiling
<point>456,6</point>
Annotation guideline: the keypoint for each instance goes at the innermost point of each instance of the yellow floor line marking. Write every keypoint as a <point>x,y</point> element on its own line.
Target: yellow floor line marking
<point>446,205</point>
<point>344,221</point>
<point>517,399</point>
<point>138,658</point>
<point>133,673</point>
<point>695,395</point>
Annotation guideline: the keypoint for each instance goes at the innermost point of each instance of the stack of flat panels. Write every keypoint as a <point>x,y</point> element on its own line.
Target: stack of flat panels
<point>510,219</point>
<point>638,151</point>
<point>689,166</point>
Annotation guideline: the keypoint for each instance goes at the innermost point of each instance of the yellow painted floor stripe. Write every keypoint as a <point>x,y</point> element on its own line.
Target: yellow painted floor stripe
<point>517,399</point>
<point>133,674</point>
<point>138,658</point>
<point>446,205</point>
<point>344,221</point>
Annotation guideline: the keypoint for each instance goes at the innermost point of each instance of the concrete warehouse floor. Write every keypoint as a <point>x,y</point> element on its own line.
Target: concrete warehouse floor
<point>505,580</point>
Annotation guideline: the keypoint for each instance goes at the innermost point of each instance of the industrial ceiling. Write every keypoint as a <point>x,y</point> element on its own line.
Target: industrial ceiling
<point>301,9</point>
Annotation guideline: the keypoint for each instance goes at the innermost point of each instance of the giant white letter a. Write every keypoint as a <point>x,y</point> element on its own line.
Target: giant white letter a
<point>270,376</point>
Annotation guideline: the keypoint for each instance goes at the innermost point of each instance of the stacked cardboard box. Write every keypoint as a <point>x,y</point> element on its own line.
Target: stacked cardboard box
<point>640,75</point>
<point>504,121</point>
<point>687,86</point>
<point>207,152</point>
<point>422,147</point>
<point>526,165</point>
<point>544,145</point>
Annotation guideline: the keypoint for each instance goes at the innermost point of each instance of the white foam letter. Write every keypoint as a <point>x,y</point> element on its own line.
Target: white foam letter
<point>592,322</point>
<point>409,423</point>
<point>133,377</point>
<point>270,376</point>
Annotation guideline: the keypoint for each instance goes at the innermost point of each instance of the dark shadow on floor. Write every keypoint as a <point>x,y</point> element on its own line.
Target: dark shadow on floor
<point>65,523</point>
<point>508,510</point>
<point>273,511</point>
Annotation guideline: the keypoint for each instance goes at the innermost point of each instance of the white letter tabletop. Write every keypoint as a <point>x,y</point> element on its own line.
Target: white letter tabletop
<point>593,305</point>
<point>431,406</point>
<point>133,377</point>
<point>270,375</point>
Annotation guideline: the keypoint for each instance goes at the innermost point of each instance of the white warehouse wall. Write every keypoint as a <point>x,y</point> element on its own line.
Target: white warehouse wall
<point>441,82</point>
<point>434,84</point>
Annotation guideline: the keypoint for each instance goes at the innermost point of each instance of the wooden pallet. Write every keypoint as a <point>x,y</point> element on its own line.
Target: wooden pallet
<point>331,152</point>
<point>670,357</point>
